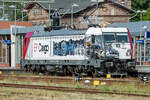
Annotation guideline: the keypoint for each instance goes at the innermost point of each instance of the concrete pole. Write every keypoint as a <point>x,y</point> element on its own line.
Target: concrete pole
<point>145,40</point>
<point>144,49</point>
<point>134,39</point>
<point>6,55</point>
<point>49,13</point>
<point>15,37</point>
<point>3,8</point>
<point>22,15</point>
<point>140,39</point>
<point>141,13</point>
<point>97,13</point>
<point>13,51</point>
<point>72,12</point>
<point>72,16</point>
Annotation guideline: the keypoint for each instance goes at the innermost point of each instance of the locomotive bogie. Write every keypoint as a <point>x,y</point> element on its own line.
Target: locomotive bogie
<point>67,66</point>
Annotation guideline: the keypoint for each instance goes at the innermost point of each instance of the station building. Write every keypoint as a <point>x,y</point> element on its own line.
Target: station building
<point>73,13</point>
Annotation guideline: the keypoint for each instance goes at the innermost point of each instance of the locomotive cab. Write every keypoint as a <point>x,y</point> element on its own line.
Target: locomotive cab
<point>113,45</point>
<point>94,43</point>
<point>120,41</point>
<point>97,44</point>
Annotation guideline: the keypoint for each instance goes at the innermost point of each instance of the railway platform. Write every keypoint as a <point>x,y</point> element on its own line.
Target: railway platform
<point>143,70</point>
<point>10,70</point>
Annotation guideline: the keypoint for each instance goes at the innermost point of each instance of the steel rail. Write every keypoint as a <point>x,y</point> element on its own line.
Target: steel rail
<point>67,78</point>
<point>67,89</point>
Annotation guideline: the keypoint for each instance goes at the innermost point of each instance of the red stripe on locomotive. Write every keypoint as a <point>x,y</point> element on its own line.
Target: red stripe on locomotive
<point>26,42</point>
<point>130,39</point>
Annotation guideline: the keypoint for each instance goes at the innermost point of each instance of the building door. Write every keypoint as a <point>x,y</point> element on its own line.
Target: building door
<point>143,52</point>
<point>140,51</point>
<point>148,51</point>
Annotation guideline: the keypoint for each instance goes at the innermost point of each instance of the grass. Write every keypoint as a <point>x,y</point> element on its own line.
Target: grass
<point>78,85</point>
<point>129,88</point>
<point>36,94</point>
<point>104,88</point>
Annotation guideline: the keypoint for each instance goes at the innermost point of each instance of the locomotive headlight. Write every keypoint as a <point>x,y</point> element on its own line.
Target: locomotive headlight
<point>128,53</point>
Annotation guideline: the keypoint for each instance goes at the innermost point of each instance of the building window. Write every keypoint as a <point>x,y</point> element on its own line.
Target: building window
<point>56,22</point>
<point>40,11</point>
<point>113,11</point>
<point>37,11</point>
<point>55,17</point>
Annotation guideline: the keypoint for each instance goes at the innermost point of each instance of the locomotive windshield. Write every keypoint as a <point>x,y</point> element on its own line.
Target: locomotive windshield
<point>116,37</point>
<point>94,39</point>
<point>95,46</point>
<point>98,39</point>
<point>123,38</point>
<point>109,38</point>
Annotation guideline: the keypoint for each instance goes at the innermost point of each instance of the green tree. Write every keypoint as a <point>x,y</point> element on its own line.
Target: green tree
<point>141,5</point>
<point>146,16</point>
<point>11,11</point>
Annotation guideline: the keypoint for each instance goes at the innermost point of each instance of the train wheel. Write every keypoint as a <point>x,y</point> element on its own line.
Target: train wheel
<point>75,71</point>
<point>43,69</point>
<point>65,71</point>
<point>28,68</point>
<point>33,68</point>
<point>25,68</point>
<point>93,72</point>
<point>37,68</point>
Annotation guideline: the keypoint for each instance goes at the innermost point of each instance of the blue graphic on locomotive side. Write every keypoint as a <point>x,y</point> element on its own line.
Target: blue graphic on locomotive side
<point>71,47</point>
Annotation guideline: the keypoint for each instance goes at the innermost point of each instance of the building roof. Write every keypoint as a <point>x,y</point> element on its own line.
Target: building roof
<point>60,32</point>
<point>4,31</point>
<point>21,30</point>
<point>65,6</point>
<point>134,27</point>
<point>6,25</point>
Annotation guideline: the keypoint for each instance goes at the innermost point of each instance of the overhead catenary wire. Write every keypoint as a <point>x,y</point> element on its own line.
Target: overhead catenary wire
<point>27,1</point>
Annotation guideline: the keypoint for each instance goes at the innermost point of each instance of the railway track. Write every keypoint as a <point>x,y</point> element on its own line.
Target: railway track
<point>68,89</point>
<point>68,79</point>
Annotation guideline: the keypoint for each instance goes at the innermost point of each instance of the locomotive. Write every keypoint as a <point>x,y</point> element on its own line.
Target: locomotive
<point>95,51</point>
